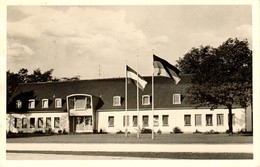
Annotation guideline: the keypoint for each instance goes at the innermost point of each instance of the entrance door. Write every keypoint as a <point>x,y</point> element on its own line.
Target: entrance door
<point>83,124</point>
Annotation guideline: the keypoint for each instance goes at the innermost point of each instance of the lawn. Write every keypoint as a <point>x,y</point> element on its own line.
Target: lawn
<point>145,139</point>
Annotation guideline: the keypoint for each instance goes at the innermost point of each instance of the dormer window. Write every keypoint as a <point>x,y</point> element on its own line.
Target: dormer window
<point>146,99</point>
<point>18,104</point>
<point>31,104</point>
<point>176,99</point>
<point>78,102</point>
<point>117,101</point>
<point>45,103</point>
<point>58,103</point>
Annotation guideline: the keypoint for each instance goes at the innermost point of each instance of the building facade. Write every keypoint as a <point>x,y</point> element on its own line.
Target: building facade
<point>89,106</point>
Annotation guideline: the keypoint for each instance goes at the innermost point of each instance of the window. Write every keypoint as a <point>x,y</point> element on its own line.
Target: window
<point>40,122</point>
<point>88,120</point>
<point>197,119</point>
<point>135,121</point>
<point>187,120</point>
<point>127,120</point>
<point>88,102</point>
<point>58,103</point>
<point>32,122</point>
<point>16,122</point>
<point>176,99</point>
<point>18,104</point>
<point>145,120</point>
<point>165,119</point>
<point>209,120</point>
<point>116,101</point>
<point>45,103</point>
<point>111,121</point>
<point>24,123</point>
<point>56,122</point>
<point>156,120</point>
<point>31,104</point>
<point>220,119</point>
<point>81,102</point>
<point>48,122</point>
<point>146,99</point>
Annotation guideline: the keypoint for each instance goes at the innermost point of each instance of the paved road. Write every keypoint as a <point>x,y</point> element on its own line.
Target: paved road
<point>36,156</point>
<point>211,148</point>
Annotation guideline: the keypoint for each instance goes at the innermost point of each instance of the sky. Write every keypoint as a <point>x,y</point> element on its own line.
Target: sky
<point>98,41</point>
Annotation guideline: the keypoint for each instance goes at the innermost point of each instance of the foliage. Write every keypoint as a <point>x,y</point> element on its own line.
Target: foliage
<point>120,132</point>
<point>221,76</point>
<point>64,132</point>
<point>146,130</point>
<point>211,132</point>
<point>38,132</point>
<point>22,76</point>
<point>177,130</point>
<point>197,131</point>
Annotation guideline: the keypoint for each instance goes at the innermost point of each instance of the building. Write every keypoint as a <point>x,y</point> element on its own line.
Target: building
<point>94,105</point>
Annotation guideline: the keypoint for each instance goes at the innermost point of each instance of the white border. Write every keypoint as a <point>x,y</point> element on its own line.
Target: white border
<point>202,163</point>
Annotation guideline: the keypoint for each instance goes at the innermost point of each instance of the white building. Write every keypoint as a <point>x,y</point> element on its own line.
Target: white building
<point>94,105</point>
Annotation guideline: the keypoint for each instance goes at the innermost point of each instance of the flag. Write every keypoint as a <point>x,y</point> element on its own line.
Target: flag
<point>131,74</point>
<point>163,68</point>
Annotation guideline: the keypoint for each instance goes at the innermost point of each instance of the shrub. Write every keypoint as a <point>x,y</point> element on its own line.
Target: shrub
<point>119,132</point>
<point>64,132</point>
<point>59,131</point>
<point>38,132</point>
<point>211,132</point>
<point>49,131</point>
<point>159,131</point>
<point>177,130</point>
<point>197,131</point>
<point>146,130</point>
<point>9,132</point>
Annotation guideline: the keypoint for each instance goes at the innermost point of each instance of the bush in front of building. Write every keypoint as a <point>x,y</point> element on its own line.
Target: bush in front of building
<point>119,132</point>
<point>177,130</point>
<point>38,132</point>
<point>211,132</point>
<point>146,130</point>
<point>159,132</point>
<point>197,131</point>
<point>65,132</point>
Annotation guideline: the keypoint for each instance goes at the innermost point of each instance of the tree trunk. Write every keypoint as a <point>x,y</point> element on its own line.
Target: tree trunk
<point>230,121</point>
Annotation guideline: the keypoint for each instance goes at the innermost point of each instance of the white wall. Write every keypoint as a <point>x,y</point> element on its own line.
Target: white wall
<point>64,122</point>
<point>176,119</point>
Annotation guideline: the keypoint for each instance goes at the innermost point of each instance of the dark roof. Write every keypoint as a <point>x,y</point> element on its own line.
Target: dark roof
<point>102,89</point>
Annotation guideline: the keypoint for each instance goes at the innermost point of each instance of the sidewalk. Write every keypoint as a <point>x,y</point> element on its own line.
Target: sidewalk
<point>199,148</point>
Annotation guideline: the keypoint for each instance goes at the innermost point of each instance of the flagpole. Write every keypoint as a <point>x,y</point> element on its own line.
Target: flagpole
<point>137,99</point>
<point>126,132</point>
<point>153,104</point>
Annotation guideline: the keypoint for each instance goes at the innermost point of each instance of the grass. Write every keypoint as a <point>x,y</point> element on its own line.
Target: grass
<point>145,139</point>
<point>163,155</point>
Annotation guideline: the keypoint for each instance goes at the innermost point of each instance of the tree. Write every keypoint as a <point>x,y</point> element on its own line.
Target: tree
<point>191,60</point>
<point>221,76</point>
<point>38,76</point>
<point>13,79</point>
<point>11,84</point>
<point>76,78</point>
